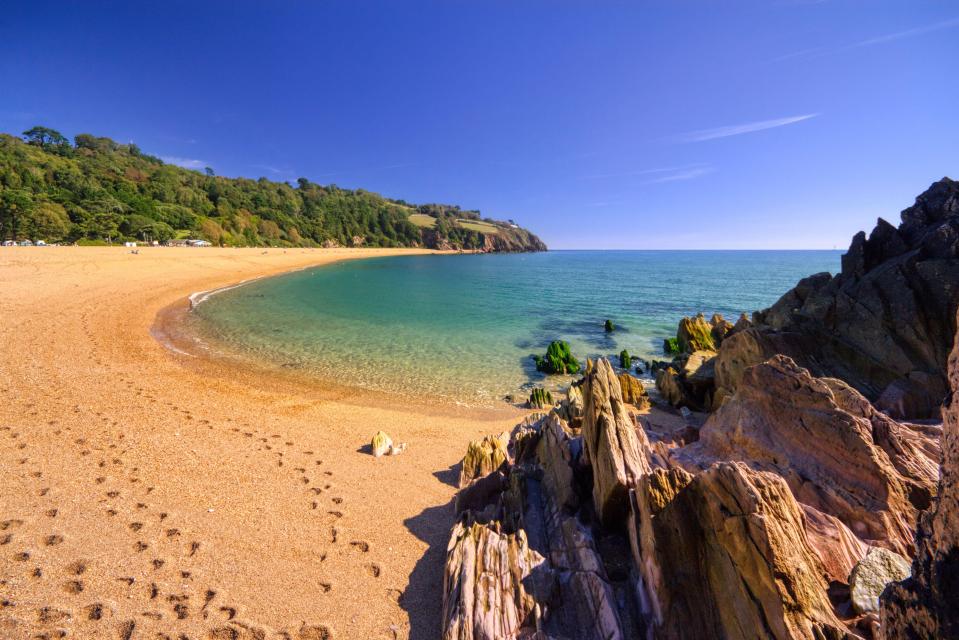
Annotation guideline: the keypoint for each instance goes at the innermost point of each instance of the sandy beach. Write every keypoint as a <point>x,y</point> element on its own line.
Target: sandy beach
<point>145,494</point>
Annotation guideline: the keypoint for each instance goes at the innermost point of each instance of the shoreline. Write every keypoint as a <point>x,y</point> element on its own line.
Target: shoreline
<point>160,469</point>
<point>170,331</point>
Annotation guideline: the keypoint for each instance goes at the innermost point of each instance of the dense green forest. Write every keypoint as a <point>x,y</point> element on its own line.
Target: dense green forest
<point>97,191</point>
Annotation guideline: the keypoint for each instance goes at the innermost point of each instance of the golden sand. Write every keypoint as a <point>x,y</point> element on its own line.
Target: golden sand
<point>145,492</point>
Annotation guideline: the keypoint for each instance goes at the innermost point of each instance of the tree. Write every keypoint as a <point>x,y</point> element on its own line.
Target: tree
<point>45,137</point>
<point>47,221</point>
<point>14,205</point>
<point>209,171</point>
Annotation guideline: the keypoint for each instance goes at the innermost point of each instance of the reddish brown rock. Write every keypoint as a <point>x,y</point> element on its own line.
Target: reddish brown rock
<point>725,555</point>
<point>612,445</point>
<point>927,604</point>
<point>838,454</point>
<point>838,548</point>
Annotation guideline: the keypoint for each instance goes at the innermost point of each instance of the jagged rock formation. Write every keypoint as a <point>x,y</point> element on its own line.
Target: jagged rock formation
<point>689,380</point>
<point>540,398</point>
<point>483,457</point>
<point>883,325</point>
<point>633,391</point>
<point>633,545</point>
<point>488,579</point>
<point>724,554</point>
<point>926,605</point>
<point>612,444</point>
<point>838,454</point>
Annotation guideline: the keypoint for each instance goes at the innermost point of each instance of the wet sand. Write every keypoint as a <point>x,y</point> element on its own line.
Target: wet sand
<point>149,494</point>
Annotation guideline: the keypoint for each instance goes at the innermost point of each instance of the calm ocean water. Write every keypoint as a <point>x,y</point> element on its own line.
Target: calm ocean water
<point>464,327</point>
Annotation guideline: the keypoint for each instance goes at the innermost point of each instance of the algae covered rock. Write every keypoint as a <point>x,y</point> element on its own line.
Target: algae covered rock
<point>625,361</point>
<point>633,391</point>
<point>695,334</point>
<point>671,346</point>
<point>381,444</point>
<point>609,326</point>
<point>869,578</point>
<point>558,359</point>
<point>540,399</point>
<point>484,457</point>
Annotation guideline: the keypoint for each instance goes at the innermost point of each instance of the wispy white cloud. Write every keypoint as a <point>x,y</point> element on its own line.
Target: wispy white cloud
<point>682,174</point>
<point>186,163</point>
<point>656,175</point>
<point>739,129</point>
<point>636,172</point>
<point>816,52</point>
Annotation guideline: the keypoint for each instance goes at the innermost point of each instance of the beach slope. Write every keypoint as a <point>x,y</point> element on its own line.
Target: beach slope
<point>144,492</point>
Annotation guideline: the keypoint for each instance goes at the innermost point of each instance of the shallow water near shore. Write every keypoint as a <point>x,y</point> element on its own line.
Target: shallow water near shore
<point>464,327</point>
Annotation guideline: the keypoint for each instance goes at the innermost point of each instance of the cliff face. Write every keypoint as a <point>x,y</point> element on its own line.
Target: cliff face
<point>884,324</point>
<point>926,605</point>
<point>512,240</point>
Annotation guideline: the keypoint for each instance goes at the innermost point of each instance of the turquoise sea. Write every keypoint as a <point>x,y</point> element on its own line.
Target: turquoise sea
<point>464,327</point>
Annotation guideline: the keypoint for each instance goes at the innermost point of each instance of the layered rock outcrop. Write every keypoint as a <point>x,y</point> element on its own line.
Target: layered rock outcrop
<point>593,533</point>
<point>838,454</point>
<point>926,605</point>
<point>883,324</point>
<point>724,554</point>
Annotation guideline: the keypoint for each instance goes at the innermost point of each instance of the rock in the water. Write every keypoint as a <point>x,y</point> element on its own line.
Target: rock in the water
<point>381,444</point>
<point>927,604</point>
<point>558,359</point>
<point>625,361</point>
<point>612,443</point>
<point>609,326</point>
<point>633,391</point>
<point>869,578</point>
<point>724,554</point>
<point>838,454</point>
<point>489,585</point>
<point>484,457</point>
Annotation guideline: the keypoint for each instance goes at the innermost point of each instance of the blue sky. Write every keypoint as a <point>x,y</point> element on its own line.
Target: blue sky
<point>673,124</point>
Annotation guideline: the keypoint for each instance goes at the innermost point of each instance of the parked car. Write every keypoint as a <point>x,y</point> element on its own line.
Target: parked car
<point>9,243</point>
<point>41,243</point>
<point>26,243</point>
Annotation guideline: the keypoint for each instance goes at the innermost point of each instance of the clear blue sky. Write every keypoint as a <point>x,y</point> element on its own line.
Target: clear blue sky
<point>672,124</point>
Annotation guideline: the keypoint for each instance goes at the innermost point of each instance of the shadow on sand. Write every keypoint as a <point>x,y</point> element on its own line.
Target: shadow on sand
<point>450,476</point>
<point>423,598</point>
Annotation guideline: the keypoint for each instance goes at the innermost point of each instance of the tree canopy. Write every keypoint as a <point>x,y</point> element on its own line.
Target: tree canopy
<point>99,190</point>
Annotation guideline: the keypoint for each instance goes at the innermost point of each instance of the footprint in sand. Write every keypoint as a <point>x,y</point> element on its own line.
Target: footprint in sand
<point>314,632</point>
<point>361,545</point>
<point>73,587</point>
<point>373,569</point>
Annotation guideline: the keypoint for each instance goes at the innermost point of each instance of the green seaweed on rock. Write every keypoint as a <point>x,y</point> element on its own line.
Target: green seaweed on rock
<point>625,361</point>
<point>558,359</point>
